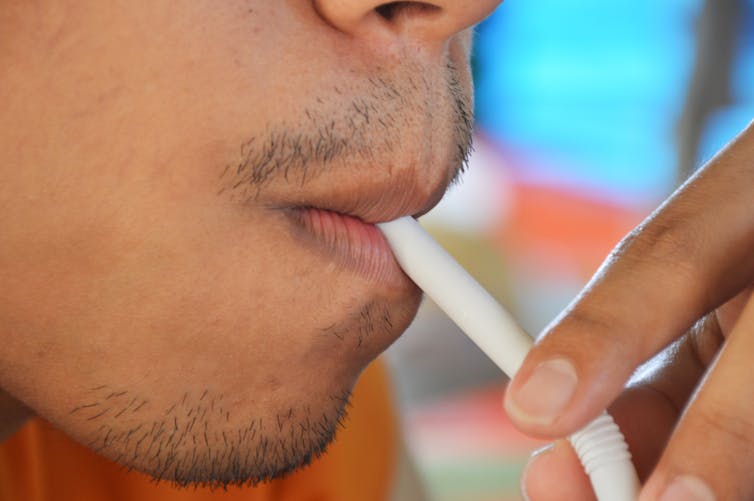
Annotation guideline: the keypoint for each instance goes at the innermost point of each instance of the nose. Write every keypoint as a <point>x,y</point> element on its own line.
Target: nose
<point>426,22</point>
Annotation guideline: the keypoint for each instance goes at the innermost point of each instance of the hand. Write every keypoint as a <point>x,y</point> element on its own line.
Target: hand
<point>677,287</point>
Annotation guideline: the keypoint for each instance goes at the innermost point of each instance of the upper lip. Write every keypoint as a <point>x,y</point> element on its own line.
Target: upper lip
<point>372,201</point>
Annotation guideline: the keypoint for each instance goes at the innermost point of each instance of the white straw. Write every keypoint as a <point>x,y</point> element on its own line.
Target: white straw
<point>600,445</point>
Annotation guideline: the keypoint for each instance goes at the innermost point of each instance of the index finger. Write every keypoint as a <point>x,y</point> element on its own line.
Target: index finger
<point>691,255</point>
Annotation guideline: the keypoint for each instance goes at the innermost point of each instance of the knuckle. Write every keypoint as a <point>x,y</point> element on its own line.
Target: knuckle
<point>602,327</point>
<point>591,318</point>
<point>728,428</point>
<point>587,322</point>
<point>669,241</point>
<point>705,338</point>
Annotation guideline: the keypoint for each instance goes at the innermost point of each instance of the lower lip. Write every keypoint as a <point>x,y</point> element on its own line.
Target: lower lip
<point>352,244</point>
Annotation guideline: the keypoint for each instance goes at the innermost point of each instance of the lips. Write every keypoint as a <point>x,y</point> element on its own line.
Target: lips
<point>350,243</point>
<point>341,224</point>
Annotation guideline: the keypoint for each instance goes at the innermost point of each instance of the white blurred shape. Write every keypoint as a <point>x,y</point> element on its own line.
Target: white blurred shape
<point>482,198</point>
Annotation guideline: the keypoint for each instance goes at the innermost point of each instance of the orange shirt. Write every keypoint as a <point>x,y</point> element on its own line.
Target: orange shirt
<point>41,464</point>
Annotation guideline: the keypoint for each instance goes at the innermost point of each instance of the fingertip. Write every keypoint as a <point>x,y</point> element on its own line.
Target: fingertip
<point>680,488</point>
<point>532,472</point>
<point>555,474</point>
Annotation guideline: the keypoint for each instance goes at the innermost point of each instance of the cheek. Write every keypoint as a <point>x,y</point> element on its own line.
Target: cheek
<point>466,42</point>
<point>459,51</point>
<point>209,296</point>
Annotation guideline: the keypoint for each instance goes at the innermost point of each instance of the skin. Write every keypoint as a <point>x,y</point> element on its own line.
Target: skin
<point>158,304</point>
<point>676,289</point>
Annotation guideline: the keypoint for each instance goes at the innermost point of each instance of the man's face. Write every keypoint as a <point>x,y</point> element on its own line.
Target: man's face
<point>188,282</point>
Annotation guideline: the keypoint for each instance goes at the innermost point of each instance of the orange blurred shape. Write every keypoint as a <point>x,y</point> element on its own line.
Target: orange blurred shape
<point>560,229</point>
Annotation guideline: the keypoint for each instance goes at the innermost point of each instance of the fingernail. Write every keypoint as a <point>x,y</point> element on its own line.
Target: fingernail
<point>687,488</point>
<point>531,465</point>
<point>542,398</point>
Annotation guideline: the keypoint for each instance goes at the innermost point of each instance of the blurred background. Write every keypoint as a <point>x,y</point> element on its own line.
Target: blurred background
<point>589,113</point>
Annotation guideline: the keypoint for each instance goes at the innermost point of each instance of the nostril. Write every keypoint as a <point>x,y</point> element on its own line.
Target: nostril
<point>418,23</point>
<point>390,10</point>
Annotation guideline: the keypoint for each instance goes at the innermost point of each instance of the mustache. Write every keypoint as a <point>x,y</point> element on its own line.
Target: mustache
<point>366,129</point>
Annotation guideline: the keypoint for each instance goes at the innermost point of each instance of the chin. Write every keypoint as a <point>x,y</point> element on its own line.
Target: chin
<point>248,427</point>
<point>209,438</point>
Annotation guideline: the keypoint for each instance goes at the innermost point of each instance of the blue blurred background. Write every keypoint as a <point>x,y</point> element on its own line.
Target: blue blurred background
<point>589,113</point>
<point>597,91</point>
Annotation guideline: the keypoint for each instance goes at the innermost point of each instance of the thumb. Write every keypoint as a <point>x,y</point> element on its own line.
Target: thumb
<point>690,256</point>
